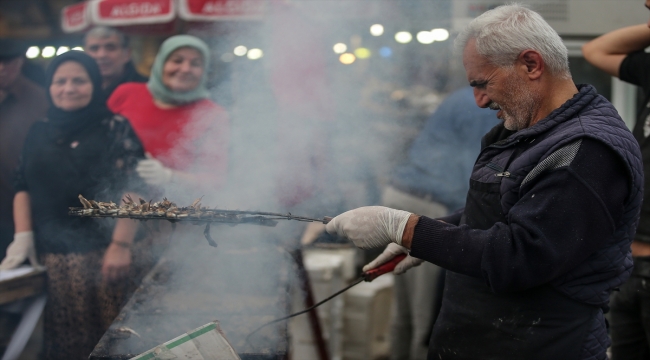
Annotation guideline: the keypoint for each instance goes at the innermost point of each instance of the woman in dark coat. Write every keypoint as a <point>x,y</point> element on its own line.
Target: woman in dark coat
<point>81,148</point>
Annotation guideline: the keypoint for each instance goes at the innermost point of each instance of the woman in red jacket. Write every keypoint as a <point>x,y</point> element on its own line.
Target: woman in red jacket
<point>183,132</point>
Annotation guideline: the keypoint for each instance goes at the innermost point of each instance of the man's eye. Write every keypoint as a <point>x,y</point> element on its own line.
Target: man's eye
<point>93,48</point>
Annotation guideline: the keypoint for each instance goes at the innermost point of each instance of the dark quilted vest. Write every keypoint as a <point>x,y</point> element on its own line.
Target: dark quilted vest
<point>587,114</point>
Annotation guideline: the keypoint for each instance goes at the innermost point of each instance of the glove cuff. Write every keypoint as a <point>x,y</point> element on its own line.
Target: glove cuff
<point>24,236</point>
<point>401,225</point>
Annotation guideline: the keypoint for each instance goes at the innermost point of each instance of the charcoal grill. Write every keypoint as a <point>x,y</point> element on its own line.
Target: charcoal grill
<point>178,295</point>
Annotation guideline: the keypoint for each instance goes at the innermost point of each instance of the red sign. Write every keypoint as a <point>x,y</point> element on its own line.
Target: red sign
<point>74,17</point>
<point>207,10</point>
<point>131,12</point>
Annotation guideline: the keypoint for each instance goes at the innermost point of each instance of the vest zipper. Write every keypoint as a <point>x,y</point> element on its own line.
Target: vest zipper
<point>503,174</point>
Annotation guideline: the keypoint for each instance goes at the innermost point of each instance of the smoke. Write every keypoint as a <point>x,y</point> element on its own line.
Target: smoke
<point>308,135</point>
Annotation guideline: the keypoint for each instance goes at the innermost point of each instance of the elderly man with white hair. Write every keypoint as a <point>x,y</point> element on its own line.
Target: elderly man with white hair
<point>553,205</point>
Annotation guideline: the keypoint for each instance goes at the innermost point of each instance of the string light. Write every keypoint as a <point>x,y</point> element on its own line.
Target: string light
<point>32,52</point>
<point>403,37</point>
<point>440,34</point>
<point>376,30</point>
<point>62,49</point>
<point>425,37</point>
<point>48,52</point>
<point>347,58</point>
<point>385,52</point>
<point>362,53</point>
<point>240,50</point>
<point>340,48</point>
<point>255,54</point>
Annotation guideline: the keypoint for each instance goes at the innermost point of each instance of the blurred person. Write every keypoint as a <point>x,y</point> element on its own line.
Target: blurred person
<point>33,72</point>
<point>620,53</point>
<point>80,148</point>
<point>22,102</point>
<point>552,207</point>
<point>184,133</point>
<point>110,48</point>
<point>429,184</point>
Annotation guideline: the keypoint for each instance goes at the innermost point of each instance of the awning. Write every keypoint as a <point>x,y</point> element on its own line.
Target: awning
<point>215,10</point>
<point>75,18</point>
<point>131,12</point>
<point>121,13</point>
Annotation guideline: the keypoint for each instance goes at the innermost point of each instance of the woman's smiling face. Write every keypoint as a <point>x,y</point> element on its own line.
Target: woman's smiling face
<point>183,70</point>
<point>71,88</point>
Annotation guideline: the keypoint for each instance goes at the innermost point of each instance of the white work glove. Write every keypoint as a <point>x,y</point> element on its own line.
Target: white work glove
<point>153,172</point>
<point>370,226</point>
<point>20,249</point>
<point>389,253</point>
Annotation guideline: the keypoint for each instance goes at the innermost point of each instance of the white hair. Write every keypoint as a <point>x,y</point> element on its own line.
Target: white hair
<point>502,33</point>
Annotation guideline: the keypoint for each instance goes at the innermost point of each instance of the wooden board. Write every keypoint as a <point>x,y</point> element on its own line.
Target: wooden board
<point>23,286</point>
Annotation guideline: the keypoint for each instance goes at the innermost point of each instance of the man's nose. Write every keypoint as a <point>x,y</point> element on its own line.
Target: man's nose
<point>481,98</point>
<point>101,52</point>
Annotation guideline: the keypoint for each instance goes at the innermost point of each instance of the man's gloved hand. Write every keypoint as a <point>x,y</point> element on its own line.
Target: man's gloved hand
<point>153,172</point>
<point>20,249</point>
<point>370,226</point>
<point>390,252</point>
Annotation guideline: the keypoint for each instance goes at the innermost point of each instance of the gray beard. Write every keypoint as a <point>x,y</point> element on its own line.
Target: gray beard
<point>522,115</point>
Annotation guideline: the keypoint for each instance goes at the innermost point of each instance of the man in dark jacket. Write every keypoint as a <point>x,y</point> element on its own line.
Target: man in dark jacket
<point>110,48</point>
<point>552,208</point>
<point>621,53</point>
<point>22,103</point>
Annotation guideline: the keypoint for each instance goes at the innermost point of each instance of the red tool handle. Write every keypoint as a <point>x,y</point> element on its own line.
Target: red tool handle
<point>371,275</point>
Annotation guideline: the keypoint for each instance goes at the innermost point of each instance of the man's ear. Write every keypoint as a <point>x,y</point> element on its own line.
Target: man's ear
<point>533,63</point>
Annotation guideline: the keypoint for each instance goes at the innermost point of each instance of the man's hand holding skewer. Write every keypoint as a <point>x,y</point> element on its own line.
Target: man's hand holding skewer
<point>376,226</point>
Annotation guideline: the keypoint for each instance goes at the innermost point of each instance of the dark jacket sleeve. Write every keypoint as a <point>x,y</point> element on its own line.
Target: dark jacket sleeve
<point>635,69</point>
<point>453,218</point>
<point>562,217</point>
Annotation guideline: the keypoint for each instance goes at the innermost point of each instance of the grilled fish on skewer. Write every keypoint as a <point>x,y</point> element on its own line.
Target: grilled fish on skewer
<point>85,202</point>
